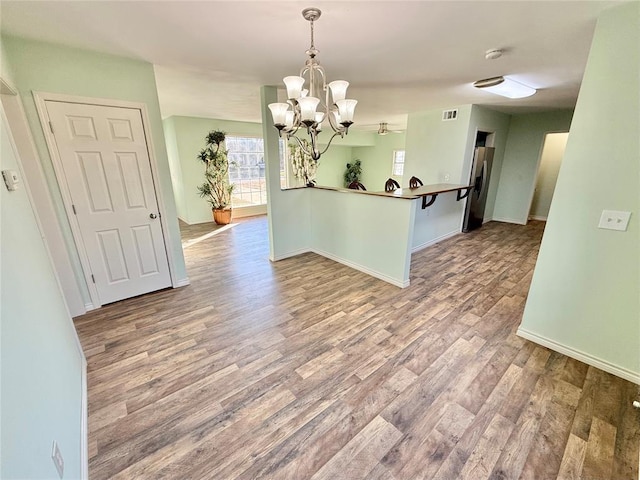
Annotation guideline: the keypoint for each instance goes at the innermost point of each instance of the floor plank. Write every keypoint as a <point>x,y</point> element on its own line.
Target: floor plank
<point>305,368</point>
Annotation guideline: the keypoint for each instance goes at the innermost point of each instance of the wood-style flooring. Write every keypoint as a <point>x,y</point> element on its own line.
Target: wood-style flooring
<point>189,233</point>
<point>306,368</point>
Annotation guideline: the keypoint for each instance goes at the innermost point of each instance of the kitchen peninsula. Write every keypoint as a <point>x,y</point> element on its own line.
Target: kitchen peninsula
<point>428,193</point>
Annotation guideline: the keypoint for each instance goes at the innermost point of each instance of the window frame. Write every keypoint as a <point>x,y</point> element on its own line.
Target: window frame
<point>258,137</point>
<point>394,162</point>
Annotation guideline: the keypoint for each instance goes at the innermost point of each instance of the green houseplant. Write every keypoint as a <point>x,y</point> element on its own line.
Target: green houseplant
<point>352,173</point>
<point>216,188</point>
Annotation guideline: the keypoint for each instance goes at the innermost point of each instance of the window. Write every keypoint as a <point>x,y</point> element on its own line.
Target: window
<point>398,163</point>
<point>247,170</point>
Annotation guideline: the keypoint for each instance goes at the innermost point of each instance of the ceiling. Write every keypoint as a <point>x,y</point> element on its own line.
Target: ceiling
<point>211,57</point>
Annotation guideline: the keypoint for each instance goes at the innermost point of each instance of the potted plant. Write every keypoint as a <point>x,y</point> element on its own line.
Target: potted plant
<point>216,188</point>
<point>352,173</point>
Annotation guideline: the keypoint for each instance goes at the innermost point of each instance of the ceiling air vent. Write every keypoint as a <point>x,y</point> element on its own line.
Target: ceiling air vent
<point>449,115</point>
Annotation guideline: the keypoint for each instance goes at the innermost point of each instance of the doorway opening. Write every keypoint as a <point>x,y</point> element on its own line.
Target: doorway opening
<point>548,167</point>
<point>479,177</point>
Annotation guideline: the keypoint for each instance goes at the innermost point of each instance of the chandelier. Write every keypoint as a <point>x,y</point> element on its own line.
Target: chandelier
<point>311,107</point>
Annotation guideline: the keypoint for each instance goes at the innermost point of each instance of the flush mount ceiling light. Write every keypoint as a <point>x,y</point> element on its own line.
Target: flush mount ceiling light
<point>493,54</point>
<point>505,87</point>
<point>309,107</point>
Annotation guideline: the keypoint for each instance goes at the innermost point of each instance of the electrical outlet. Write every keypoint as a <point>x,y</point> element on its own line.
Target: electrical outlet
<point>56,456</point>
<point>447,177</point>
<point>614,220</point>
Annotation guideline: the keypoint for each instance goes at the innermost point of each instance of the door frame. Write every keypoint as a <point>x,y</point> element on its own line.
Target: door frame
<point>532,191</point>
<point>41,193</point>
<point>40,98</point>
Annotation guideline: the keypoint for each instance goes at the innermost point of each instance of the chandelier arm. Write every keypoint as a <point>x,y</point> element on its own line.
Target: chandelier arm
<point>313,133</point>
<point>332,123</point>
<point>301,145</point>
<point>331,140</point>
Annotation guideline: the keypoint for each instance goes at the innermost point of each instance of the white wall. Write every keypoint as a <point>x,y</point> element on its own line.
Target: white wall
<point>550,160</point>
<point>583,299</point>
<point>41,363</point>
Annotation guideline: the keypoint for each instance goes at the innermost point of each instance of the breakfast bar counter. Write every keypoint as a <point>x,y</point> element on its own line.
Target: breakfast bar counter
<point>428,193</point>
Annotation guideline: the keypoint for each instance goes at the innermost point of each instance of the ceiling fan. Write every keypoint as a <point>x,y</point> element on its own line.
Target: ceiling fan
<point>383,129</point>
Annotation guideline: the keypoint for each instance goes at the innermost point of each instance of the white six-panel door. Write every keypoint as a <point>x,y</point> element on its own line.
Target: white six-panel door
<point>106,166</point>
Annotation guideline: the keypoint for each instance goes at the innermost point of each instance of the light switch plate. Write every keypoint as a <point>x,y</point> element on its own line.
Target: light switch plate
<point>11,179</point>
<point>614,220</point>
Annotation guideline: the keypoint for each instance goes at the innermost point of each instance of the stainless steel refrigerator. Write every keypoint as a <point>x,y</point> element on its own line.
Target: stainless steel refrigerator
<point>480,175</point>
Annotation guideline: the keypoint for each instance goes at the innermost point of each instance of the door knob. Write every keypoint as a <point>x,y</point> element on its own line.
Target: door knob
<point>152,216</point>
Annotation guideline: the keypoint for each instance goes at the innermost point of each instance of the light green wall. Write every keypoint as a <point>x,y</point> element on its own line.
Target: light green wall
<point>344,226</point>
<point>376,157</point>
<point>185,138</point>
<point>354,138</point>
<point>377,160</point>
<point>520,166</point>
<point>40,360</point>
<point>6,71</point>
<point>49,68</point>
<point>190,134</point>
<point>584,293</point>
<point>289,211</point>
<point>486,120</point>
<point>175,167</point>
<point>441,152</point>
<point>435,148</point>
<point>332,166</point>
<point>370,232</point>
<point>334,161</point>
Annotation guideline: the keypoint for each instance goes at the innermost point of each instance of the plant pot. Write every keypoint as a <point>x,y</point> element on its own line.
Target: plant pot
<point>222,216</point>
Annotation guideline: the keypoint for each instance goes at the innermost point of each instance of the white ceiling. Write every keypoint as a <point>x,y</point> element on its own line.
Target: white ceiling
<point>399,56</point>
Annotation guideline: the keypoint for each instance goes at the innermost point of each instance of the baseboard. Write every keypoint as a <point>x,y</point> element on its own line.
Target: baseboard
<point>363,269</point>
<point>537,217</point>
<point>249,211</point>
<point>84,423</point>
<point>183,282</point>
<point>348,263</point>
<point>89,306</point>
<point>508,220</point>
<point>293,253</point>
<point>434,241</point>
<point>633,377</point>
